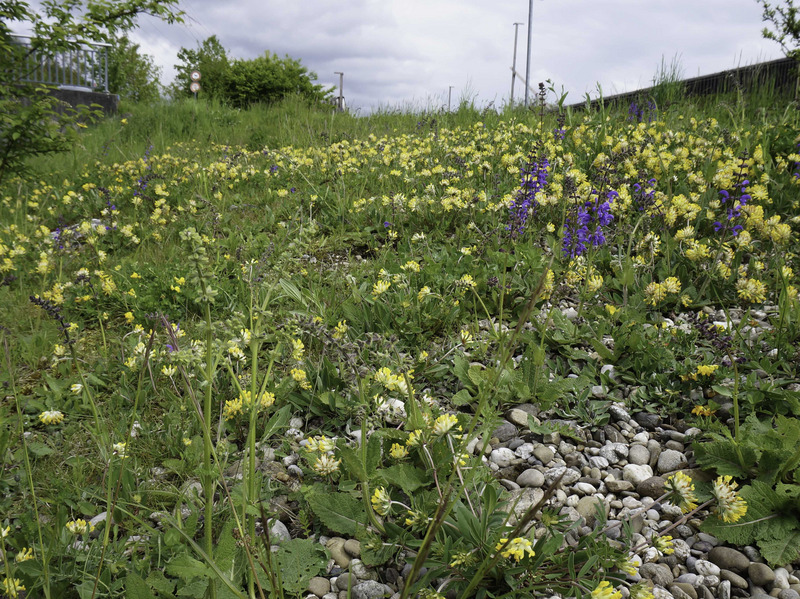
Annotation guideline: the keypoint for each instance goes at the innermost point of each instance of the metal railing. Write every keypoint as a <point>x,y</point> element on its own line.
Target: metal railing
<point>84,67</point>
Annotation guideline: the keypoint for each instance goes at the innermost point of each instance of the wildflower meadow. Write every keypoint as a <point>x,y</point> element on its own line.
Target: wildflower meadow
<point>283,352</point>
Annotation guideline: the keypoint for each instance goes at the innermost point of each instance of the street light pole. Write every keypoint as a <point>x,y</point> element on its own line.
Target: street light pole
<point>514,62</point>
<point>340,99</point>
<point>528,64</point>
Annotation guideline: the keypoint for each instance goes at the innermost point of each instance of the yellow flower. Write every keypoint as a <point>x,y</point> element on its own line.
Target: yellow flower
<point>663,545</point>
<point>379,288</point>
<point>129,317</point>
<point>79,526</point>
<point>398,452</point>
<point>341,330</point>
<point>381,501</point>
<point>423,293</point>
<point>604,590</point>
<point>707,369</point>
<point>594,283</point>
<point>611,309</point>
<point>120,449</point>
<point>413,439</point>
<point>298,349</point>
<point>654,293</point>
<point>24,554</point>
<point>299,376</point>
<point>702,411</point>
<point>680,492</point>
<point>76,388</point>
<point>325,465</point>
<point>444,423</point>
<point>516,548</point>
<point>730,506</point>
<point>466,337</point>
<point>51,417</point>
<point>12,587</point>
<point>232,408</point>
<point>751,290</point>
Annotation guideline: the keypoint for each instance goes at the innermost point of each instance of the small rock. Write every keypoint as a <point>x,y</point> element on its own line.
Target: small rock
<point>569,477</point>
<point>597,461</point>
<point>760,574</point>
<point>345,581</point>
<point>724,590</point>
<point>598,391</point>
<point>652,486</point>
<point>587,508</point>
<point>706,568</point>
<point>319,586</point>
<point>781,579</point>
<point>614,452</point>
<point>279,532</point>
<point>505,431</point>
<point>543,453</point>
<point>788,594</point>
<point>660,574</point>
<point>335,546</point>
<point>518,417</point>
<point>735,580</point>
<point>361,571</point>
<point>617,486</point>
<point>636,473</point>
<point>503,457</point>
<point>352,547</point>
<point>647,420</point>
<point>679,592</point>
<point>671,460</point>
<point>638,454</point>
<point>527,498</point>
<point>524,451</point>
<point>530,478</point>
<point>728,558</point>
<point>371,589</point>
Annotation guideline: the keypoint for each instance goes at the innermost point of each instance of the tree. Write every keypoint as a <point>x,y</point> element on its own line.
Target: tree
<point>30,123</point>
<point>785,21</point>
<point>211,60</point>
<point>132,75</point>
<point>268,79</point>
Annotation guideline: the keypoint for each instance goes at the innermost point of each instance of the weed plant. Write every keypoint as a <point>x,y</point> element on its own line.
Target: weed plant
<point>217,319</point>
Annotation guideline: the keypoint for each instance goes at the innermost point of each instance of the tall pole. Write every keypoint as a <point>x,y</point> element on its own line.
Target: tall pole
<point>449,95</point>
<point>514,62</point>
<point>528,64</point>
<point>341,90</point>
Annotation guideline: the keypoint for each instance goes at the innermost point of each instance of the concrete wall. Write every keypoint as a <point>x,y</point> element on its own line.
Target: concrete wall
<point>75,96</point>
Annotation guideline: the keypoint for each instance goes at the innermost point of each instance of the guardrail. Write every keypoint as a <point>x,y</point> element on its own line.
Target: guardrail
<point>83,68</point>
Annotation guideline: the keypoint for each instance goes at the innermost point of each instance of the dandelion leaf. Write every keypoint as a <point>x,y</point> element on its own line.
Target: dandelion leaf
<point>186,567</point>
<point>160,583</point>
<point>196,589</point>
<point>340,512</point>
<point>300,560</point>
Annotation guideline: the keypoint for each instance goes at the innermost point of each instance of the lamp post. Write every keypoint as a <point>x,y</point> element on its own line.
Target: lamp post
<point>528,64</point>
<point>340,99</point>
<point>514,62</point>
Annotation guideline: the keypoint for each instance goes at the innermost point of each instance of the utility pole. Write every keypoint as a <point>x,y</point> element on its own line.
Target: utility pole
<point>340,99</point>
<point>449,95</point>
<point>528,64</point>
<point>514,63</point>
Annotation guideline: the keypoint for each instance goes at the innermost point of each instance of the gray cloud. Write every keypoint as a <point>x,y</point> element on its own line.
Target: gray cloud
<point>393,51</point>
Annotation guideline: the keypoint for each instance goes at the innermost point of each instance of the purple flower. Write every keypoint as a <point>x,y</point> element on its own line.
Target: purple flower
<point>534,179</point>
<point>584,228</point>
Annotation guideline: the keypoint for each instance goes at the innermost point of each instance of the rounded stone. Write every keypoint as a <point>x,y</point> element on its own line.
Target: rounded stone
<point>345,581</point>
<point>682,591</point>
<point>760,574</point>
<point>706,568</point>
<point>736,581</point>
<point>530,478</point>
<point>660,574</point>
<point>371,589</point>
<point>587,508</point>
<point>502,456</point>
<point>638,454</point>
<point>544,454</point>
<point>353,547</point>
<point>319,586</point>
<point>671,460</point>
<point>728,558</point>
<point>335,547</point>
<point>724,590</point>
<point>637,473</point>
<point>652,486</point>
<point>518,417</point>
<point>505,431</point>
<point>781,579</point>
<point>788,594</point>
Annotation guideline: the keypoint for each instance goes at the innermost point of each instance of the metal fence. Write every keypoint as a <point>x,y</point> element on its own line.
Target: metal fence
<point>84,67</point>
<point>777,76</point>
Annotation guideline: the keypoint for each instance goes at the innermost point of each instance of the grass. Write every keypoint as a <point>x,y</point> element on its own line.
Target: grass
<point>375,276</point>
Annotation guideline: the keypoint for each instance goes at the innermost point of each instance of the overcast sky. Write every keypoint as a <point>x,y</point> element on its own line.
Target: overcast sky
<point>398,53</point>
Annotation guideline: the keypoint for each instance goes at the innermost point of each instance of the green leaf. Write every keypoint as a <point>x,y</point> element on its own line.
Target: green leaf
<point>300,560</point>
<point>340,512</point>
<point>351,460</point>
<point>186,568</point>
<point>721,455</point>
<point>161,583</point>
<point>373,457</point>
<point>462,398</point>
<point>781,550</point>
<point>39,449</point>
<point>136,587</point>
<point>196,589</point>
<point>292,291</point>
<point>277,422</point>
<point>406,476</point>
